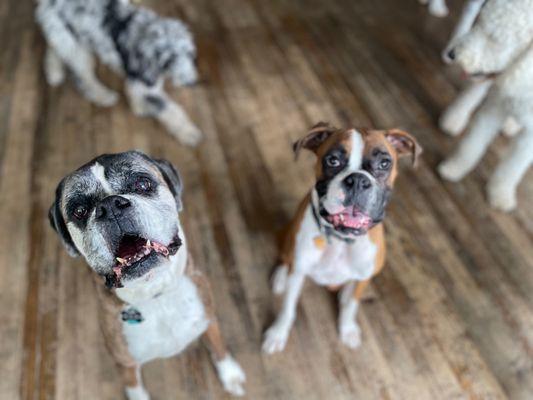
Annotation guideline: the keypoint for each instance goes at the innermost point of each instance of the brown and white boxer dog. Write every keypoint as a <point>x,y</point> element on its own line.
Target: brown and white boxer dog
<point>336,237</point>
<point>120,212</point>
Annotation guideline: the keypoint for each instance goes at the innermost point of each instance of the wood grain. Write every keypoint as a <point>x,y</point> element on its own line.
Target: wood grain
<point>450,317</point>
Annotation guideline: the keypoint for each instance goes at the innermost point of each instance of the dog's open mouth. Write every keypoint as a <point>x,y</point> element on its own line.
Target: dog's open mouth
<point>350,218</point>
<point>135,252</point>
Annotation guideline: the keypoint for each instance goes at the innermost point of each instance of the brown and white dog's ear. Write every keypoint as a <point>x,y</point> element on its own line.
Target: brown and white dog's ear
<point>404,143</point>
<point>317,135</point>
<point>172,179</point>
<point>58,224</point>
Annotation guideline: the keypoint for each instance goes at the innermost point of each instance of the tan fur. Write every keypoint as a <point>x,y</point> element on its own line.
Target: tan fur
<point>286,256</point>
<point>373,139</point>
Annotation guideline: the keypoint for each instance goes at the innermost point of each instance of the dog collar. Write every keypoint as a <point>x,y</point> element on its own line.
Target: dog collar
<point>328,231</point>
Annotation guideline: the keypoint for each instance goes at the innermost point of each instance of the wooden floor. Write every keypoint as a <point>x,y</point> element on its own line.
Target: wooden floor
<point>451,316</point>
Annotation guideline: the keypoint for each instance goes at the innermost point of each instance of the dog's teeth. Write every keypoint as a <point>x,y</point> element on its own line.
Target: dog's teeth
<point>121,260</point>
<point>148,243</point>
<point>342,218</point>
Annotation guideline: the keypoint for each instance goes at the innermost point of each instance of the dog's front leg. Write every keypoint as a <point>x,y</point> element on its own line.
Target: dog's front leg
<point>486,123</point>
<point>133,386</point>
<point>504,182</point>
<point>229,371</point>
<point>152,101</point>
<point>276,336</point>
<point>456,116</point>
<point>349,298</point>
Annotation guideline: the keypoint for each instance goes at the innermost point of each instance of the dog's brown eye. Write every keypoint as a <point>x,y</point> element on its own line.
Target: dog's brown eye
<point>333,161</point>
<point>143,185</point>
<point>80,212</point>
<point>385,164</point>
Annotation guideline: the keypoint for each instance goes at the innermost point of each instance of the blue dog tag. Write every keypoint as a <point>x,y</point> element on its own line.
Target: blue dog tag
<point>132,316</point>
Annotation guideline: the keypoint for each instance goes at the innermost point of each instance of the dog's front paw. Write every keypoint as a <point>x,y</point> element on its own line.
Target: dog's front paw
<point>350,335</point>
<point>501,197</point>
<point>438,9</point>
<point>103,97</point>
<point>231,375</point>
<point>511,127</point>
<point>451,170</point>
<point>452,122</point>
<point>137,393</point>
<point>187,133</point>
<point>275,339</point>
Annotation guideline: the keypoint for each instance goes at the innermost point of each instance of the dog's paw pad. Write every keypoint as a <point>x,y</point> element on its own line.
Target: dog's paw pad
<point>351,336</point>
<point>275,340</point>
<point>231,375</point>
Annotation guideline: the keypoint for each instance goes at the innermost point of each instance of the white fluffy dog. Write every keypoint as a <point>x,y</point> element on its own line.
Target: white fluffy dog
<point>499,50</point>
<point>131,40</point>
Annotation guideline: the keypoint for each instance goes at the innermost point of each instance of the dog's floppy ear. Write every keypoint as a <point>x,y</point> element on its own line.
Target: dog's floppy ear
<point>58,224</point>
<point>172,179</point>
<point>317,135</point>
<point>405,144</point>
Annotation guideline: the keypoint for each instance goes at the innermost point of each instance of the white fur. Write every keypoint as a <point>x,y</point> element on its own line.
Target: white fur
<point>349,331</point>
<point>279,279</point>
<point>338,263</point>
<point>231,375</point>
<point>436,8</point>
<point>146,48</point>
<point>500,41</point>
<point>333,202</point>
<point>99,173</point>
<point>137,393</point>
<point>172,117</point>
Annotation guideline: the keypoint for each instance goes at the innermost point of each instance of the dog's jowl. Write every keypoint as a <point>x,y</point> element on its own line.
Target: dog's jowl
<point>336,237</point>
<point>120,212</point>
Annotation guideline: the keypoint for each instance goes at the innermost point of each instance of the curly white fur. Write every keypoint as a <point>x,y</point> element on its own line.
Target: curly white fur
<point>500,42</point>
<point>131,40</point>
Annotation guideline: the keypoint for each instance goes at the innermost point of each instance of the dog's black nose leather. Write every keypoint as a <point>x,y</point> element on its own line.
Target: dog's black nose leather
<point>112,206</point>
<point>357,181</point>
<point>451,54</point>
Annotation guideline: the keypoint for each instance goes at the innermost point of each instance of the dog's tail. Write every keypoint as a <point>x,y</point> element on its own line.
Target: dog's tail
<point>279,279</point>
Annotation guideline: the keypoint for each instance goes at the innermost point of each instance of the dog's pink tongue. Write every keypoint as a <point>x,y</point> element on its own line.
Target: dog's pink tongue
<point>356,220</point>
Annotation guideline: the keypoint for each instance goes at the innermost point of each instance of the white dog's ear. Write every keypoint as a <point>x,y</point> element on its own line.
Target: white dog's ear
<point>317,135</point>
<point>58,224</point>
<point>405,144</point>
<point>172,179</point>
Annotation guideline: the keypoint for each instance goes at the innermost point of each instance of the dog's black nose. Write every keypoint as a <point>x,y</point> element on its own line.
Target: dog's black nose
<point>111,205</point>
<point>358,181</point>
<point>451,54</point>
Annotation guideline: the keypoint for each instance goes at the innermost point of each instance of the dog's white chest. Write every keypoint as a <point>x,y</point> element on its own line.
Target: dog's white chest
<point>171,321</point>
<point>342,262</point>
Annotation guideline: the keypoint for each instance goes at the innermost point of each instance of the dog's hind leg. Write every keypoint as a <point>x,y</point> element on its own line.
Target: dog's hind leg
<point>501,188</point>
<point>54,69</point>
<point>485,125</point>
<point>154,102</point>
<point>133,386</point>
<point>77,58</point>
<point>229,371</point>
